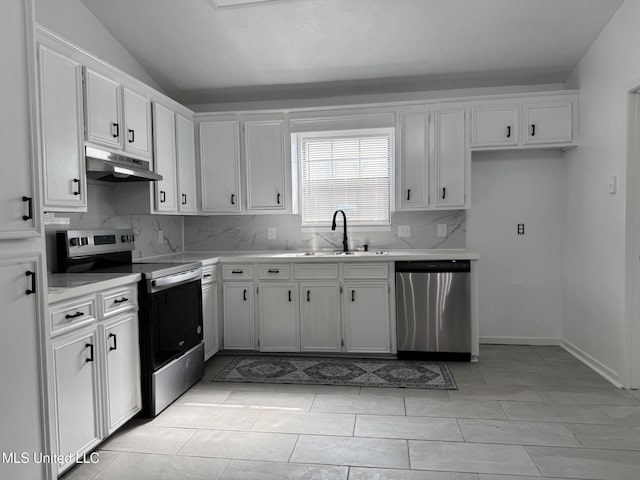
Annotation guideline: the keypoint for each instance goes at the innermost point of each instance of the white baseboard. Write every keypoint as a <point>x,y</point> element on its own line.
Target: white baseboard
<point>520,340</point>
<point>592,363</point>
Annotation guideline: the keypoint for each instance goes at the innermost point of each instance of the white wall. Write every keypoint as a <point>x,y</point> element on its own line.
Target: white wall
<point>73,21</point>
<point>595,253</point>
<point>521,276</point>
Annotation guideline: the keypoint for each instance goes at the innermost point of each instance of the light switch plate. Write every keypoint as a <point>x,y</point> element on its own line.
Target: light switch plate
<point>442,230</point>
<point>613,184</point>
<point>271,233</point>
<point>404,231</point>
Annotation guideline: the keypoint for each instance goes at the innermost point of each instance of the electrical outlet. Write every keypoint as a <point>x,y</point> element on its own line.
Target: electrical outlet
<point>521,229</point>
<point>442,230</point>
<point>404,231</point>
<point>160,237</point>
<point>271,233</point>
<point>613,184</point>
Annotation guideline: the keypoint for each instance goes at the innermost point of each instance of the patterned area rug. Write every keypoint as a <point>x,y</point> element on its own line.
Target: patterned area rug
<point>351,372</point>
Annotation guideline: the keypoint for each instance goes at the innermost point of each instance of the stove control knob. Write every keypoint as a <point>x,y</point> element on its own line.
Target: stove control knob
<point>130,238</point>
<point>74,242</point>
<point>124,238</point>
<point>84,241</point>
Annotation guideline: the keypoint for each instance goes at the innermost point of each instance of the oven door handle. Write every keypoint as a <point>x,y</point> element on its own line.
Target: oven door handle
<point>174,280</point>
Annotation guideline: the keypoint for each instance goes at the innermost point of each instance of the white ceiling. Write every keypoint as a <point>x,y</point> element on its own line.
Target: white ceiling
<point>307,48</point>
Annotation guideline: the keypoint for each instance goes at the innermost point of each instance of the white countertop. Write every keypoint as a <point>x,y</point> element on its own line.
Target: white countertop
<point>63,286</point>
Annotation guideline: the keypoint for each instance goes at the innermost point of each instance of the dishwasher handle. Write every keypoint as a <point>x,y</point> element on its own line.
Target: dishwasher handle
<point>434,266</point>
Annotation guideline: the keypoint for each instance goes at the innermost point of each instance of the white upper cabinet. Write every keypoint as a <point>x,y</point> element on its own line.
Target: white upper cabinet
<point>547,123</point>
<point>165,158</point>
<point>413,167</point>
<point>137,123</point>
<point>450,157</point>
<point>186,165</point>
<point>494,125</point>
<point>220,166</point>
<point>265,160</point>
<point>65,185</point>
<point>103,112</point>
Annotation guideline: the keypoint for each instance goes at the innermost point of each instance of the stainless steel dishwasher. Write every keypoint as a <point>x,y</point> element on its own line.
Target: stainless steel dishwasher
<point>433,307</point>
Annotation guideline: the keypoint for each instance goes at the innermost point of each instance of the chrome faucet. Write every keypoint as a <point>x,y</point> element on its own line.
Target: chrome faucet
<point>345,241</point>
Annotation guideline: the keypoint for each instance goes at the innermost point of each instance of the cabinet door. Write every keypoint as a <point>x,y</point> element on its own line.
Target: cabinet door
<point>238,316</point>
<point>494,125</point>
<point>20,402</point>
<point>320,329</point>
<point>278,314</point>
<point>165,158</point>
<point>547,123</point>
<point>76,378</point>
<point>210,320</point>
<point>366,318</point>
<point>65,185</point>
<point>122,367</point>
<point>265,158</point>
<point>18,182</point>
<point>220,166</point>
<point>137,123</point>
<point>450,157</point>
<point>186,165</point>
<point>103,113</point>
<point>413,175</point>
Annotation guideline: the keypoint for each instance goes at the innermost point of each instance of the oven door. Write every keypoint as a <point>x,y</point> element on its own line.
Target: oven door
<point>176,317</point>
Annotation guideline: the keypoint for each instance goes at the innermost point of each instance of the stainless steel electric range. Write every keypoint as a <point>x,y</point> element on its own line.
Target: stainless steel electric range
<point>170,316</point>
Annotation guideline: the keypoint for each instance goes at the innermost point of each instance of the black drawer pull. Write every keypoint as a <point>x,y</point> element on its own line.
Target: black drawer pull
<point>163,196</point>
<point>75,315</point>
<point>77,180</point>
<point>122,300</point>
<point>29,216</point>
<point>244,295</point>
<point>444,192</point>
<point>308,295</point>
<point>115,342</point>
<point>236,271</point>
<point>278,199</point>
<point>533,129</point>
<point>184,198</point>
<point>132,136</point>
<point>274,270</point>
<point>115,130</point>
<point>206,275</point>
<point>90,347</point>
<point>289,295</point>
<point>233,199</point>
<point>408,194</point>
<point>508,131</point>
<point>353,295</point>
<point>31,274</point>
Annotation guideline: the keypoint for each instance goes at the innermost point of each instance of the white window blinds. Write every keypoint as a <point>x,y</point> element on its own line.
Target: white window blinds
<point>351,173</point>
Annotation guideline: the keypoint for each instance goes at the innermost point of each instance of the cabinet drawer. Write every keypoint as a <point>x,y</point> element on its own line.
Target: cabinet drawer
<point>316,270</point>
<point>237,272</point>
<point>276,272</point>
<point>366,270</point>
<point>72,313</point>
<point>209,274</point>
<point>118,300</point>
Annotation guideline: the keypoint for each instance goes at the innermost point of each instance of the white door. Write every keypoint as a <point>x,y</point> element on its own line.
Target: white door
<point>18,207</point>
<point>20,402</point>
<point>413,162</point>
<point>278,314</point>
<point>238,316</point>
<point>265,159</point>
<point>103,113</point>
<point>210,319</point>
<point>65,184</point>
<point>450,156</point>
<point>220,166</point>
<point>137,123</point>
<point>76,378</point>
<point>366,318</point>
<point>320,326</point>
<point>186,165</point>
<point>165,158</point>
<point>494,125</point>
<point>122,368</point>
<point>547,123</point>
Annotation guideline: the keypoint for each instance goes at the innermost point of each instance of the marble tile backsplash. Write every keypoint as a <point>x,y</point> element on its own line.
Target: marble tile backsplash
<point>249,232</point>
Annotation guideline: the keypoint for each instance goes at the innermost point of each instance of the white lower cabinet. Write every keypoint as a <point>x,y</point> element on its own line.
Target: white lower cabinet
<point>278,314</point>
<point>238,316</point>
<point>320,326</point>
<point>366,318</point>
<point>210,319</point>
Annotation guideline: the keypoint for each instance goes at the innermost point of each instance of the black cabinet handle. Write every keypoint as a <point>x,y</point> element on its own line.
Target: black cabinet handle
<point>115,342</point>
<point>244,295</point>
<point>233,199</point>
<point>508,131</point>
<point>29,201</point>
<point>353,295</point>
<point>122,300</point>
<point>308,295</point>
<point>163,196</point>
<point>132,136</point>
<point>116,129</point>
<point>31,274</point>
<point>289,295</point>
<point>184,199</point>
<point>408,194</point>
<point>533,129</point>
<point>90,347</point>
<point>206,275</point>
<point>235,272</point>
<point>75,315</point>
<point>77,180</point>
<point>278,199</point>
<point>273,270</point>
<point>444,192</point>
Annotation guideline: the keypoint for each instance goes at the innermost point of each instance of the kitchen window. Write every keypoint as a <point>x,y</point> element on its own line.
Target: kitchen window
<point>347,170</point>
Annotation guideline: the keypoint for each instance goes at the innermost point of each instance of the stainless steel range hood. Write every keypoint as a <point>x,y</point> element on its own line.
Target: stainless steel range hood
<point>113,167</point>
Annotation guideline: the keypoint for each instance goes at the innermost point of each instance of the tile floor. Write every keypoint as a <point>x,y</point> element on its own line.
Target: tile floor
<point>520,413</point>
